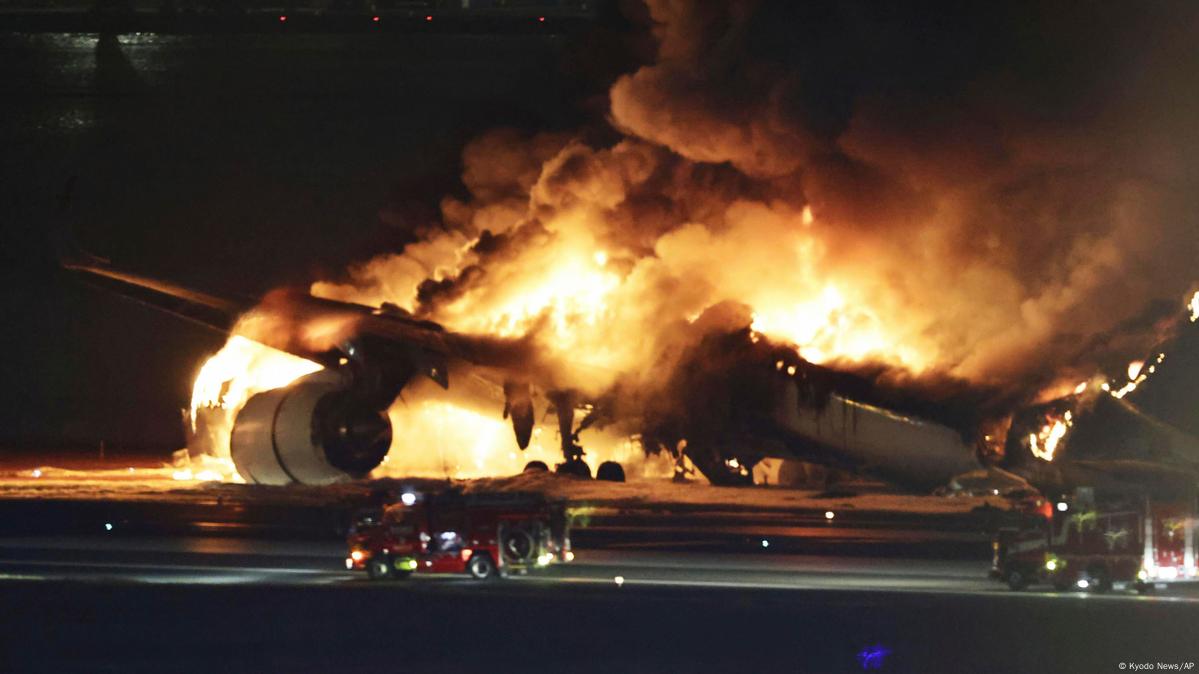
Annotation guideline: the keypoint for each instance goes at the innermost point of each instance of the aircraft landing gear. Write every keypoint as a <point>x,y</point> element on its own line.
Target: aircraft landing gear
<point>576,468</point>
<point>573,464</point>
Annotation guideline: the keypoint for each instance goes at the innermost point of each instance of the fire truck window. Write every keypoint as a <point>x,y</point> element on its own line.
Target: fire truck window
<point>401,522</point>
<point>362,521</point>
<point>447,541</point>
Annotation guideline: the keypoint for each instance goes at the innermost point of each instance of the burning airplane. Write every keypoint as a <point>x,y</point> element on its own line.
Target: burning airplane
<point>305,399</point>
<point>751,255</point>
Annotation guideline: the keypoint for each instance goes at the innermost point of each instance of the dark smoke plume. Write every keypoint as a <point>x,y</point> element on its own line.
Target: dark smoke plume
<point>1000,194</point>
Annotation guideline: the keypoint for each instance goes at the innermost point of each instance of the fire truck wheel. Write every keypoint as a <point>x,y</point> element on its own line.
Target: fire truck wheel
<point>480,567</point>
<point>536,467</point>
<point>610,471</point>
<point>1016,580</point>
<point>379,568</point>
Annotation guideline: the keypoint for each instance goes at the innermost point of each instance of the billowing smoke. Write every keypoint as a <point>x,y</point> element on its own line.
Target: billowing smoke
<point>1004,195</point>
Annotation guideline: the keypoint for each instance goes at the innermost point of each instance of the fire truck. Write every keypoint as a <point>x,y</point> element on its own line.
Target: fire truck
<point>480,534</point>
<point>1079,543</point>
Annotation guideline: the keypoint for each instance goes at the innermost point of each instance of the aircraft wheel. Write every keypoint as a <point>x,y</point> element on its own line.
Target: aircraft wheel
<point>610,471</point>
<point>576,468</point>
<point>536,467</point>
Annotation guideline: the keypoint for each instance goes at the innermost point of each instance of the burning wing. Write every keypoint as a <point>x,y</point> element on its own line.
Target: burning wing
<point>332,423</point>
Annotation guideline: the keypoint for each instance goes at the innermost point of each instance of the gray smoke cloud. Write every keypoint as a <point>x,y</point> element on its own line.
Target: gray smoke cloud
<point>1004,196</point>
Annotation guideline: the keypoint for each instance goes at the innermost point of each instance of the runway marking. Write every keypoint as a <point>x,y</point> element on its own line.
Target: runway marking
<point>166,567</point>
<point>849,587</point>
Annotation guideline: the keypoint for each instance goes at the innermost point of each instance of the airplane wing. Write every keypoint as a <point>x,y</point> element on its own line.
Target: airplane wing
<point>325,331</point>
<point>210,311</point>
<point>377,350</point>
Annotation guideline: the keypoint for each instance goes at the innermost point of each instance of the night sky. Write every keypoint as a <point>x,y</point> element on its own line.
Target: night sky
<point>231,162</point>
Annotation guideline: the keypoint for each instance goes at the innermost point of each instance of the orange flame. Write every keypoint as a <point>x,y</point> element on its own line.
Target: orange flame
<point>224,383</point>
<point>830,328</point>
<point>1045,442</point>
<point>438,439</point>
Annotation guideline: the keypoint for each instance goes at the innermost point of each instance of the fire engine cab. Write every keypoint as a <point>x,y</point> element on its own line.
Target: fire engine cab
<point>480,534</point>
<point>1081,543</point>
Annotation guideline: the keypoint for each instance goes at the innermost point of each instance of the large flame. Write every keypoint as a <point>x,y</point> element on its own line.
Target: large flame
<point>830,328</point>
<point>563,288</point>
<point>442,440</point>
<point>240,369</point>
<point>224,383</point>
<point>956,235</point>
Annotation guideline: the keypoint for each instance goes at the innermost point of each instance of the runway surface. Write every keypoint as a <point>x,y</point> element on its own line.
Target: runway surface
<point>233,583</point>
<point>216,560</point>
<point>113,603</point>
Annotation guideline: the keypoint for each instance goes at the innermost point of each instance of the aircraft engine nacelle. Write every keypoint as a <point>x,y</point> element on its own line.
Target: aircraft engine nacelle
<point>311,432</point>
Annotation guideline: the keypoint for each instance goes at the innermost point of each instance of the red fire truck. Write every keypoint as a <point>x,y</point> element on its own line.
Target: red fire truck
<point>480,534</point>
<point>1079,543</point>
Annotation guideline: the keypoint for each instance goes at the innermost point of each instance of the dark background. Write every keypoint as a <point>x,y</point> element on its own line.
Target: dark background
<point>235,161</point>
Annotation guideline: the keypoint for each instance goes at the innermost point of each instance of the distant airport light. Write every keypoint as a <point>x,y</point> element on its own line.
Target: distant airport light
<point>541,19</point>
<point>108,526</point>
<point>428,17</point>
<point>765,543</point>
<point>1083,583</point>
<point>282,18</point>
<point>375,19</point>
<point>36,473</point>
<point>828,514</point>
<point>1062,506</point>
<point>619,580</point>
<point>408,498</point>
